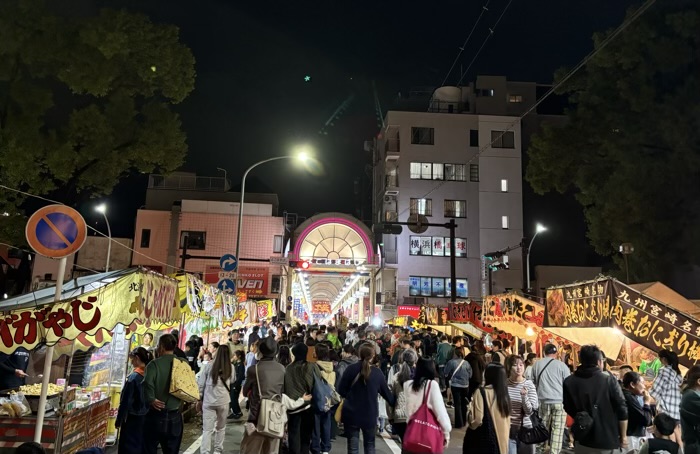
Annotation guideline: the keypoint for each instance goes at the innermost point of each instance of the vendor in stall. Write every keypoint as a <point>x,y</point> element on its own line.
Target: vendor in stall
<point>13,368</point>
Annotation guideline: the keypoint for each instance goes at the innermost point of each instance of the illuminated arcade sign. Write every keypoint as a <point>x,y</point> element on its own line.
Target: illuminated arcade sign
<point>337,262</point>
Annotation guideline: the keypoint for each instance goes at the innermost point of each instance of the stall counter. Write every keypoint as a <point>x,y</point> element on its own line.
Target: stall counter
<point>62,434</point>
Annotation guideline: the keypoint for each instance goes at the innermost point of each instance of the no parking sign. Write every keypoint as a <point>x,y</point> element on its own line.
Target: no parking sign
<point>56,231</point>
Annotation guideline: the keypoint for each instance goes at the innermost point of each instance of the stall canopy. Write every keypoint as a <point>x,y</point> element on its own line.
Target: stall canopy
<point>88,306</point>
<point>606,303</point>
<point>525,318</point>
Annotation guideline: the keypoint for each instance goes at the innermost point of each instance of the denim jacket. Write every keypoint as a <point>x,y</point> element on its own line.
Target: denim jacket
<point>459,377</point>
<point>132,400</point>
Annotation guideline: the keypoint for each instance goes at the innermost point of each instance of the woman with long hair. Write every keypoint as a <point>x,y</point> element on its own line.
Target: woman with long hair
<point>425,381</point>
<point>359,386</point>
<point>690,411</point>
<point>523,400</point>
<point>406,372</point>
<point>321,439</point>
<point>489,413</point>
<point>666,389</point>
<point>132,406</point>
<point>215,391</point>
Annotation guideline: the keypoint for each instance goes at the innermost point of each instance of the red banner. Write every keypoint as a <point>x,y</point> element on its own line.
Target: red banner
<point>469,313</point>
<point>409,311</point>
<point>320,307</point>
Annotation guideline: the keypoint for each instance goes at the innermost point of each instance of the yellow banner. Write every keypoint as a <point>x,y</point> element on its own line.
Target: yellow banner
<point>141,295</point>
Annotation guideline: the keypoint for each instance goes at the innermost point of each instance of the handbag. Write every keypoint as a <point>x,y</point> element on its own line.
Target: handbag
<point>272,416</point>
<point>423,432</point>
<point>339,411</point>
<point>183,383</point>
<point>538,433</point>
<point>323,396</point>
<point>483,439</point>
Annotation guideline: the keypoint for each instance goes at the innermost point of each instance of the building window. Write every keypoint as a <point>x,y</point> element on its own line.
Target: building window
<point>515,98</point>
<point>504,222</point>
<point>435,286</point>
<point>504,185</point>
<point>277,244</point>
<point>473,137</point>
<point>422,206</point>
<point>420,245</point>
<point>195,240</point>
<point>145,238</point>
<point>455,172</point>
<point>474,172</point>
<point>427,171</point>
<point>276,284</point>
<point>502,139</point>
<point>455,208</point>
<point>423,136</point>
<point>485,92</point>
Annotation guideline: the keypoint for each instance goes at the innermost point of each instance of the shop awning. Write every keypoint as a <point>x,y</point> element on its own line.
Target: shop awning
<point>469,329</point>
<point>634,311</point>
<point>85,311</point>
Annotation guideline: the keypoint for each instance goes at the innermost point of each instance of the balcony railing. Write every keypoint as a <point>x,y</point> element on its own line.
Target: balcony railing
<point>392,181</point>
<point>191,182</point>
<point>392,145</point>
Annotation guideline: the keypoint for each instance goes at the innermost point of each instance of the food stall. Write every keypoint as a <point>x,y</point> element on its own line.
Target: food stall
<point>606,308</point>
<point>78,416</point>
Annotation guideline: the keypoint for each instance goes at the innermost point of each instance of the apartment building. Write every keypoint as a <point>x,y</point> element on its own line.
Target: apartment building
<point>460,158</point>
<point>200,211</point>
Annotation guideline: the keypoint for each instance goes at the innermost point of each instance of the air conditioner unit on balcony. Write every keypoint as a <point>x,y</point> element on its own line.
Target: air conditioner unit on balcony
<point>388,199</point>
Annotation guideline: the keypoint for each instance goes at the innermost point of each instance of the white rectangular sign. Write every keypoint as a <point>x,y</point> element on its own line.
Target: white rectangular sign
<point>279,261</point>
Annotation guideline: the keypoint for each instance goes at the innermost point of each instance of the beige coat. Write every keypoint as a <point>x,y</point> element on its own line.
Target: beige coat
<point>500,423</point>
<point>327,372</point>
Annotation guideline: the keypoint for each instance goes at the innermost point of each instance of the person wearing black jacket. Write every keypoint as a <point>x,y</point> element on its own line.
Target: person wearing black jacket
<point>598,394</point>
<point>239,374</point>
<point>299,380</point>
<point>13,368</point>
<point>638,408</point>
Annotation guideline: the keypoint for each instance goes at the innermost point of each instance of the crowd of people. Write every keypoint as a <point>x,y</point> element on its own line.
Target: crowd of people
<point>379,378</point>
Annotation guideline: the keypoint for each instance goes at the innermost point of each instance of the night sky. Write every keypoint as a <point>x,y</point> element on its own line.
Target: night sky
<point>251,100</point>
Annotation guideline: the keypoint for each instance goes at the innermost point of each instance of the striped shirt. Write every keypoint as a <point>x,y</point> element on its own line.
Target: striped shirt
<point>520,404</point>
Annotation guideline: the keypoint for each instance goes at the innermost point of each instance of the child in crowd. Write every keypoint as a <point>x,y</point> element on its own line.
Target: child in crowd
<point>664,425</point>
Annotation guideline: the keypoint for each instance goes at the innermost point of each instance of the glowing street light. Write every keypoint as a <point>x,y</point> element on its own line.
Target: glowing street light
<point>102,209</point>
<point>539,228</point>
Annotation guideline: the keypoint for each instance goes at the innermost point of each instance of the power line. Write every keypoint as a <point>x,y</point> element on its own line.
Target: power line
<point>492,30</point>
<point>32,252</point>
<point>627,22</point>
<point>466,41</point>
<point>28,194</point>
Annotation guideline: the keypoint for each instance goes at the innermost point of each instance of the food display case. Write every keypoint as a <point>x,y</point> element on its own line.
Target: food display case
<point>79,414</point>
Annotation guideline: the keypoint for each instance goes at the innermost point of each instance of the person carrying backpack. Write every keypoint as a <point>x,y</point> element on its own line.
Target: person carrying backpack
<point>594,400</point>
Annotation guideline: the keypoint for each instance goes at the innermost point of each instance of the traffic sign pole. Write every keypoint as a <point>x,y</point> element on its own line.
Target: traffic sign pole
<point>49,358</point>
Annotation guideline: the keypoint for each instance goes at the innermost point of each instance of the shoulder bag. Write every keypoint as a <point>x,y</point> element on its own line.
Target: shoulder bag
<point>339,411</point>
<point>272,416</point>
<point>483,439</point>
<point>323,395</point>
<point>183,383</point>
<point>423,432</point>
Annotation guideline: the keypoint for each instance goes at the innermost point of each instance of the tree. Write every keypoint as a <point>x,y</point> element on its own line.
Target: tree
<point>85,101</point>
<point>630,150</point>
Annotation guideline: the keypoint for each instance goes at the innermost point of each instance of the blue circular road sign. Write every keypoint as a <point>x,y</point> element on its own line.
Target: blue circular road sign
<point>227,286</point>
<point>228,262</point>
<point>56,231</point>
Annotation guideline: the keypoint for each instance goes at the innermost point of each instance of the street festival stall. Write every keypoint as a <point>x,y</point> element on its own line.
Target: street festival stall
<point>76,417</point>
<point>608,304</point>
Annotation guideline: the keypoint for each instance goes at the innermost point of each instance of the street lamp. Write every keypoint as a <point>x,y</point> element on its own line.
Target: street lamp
<point>626,249</point>
<point>102,208</point>
<point>302,155</point>
<point>539,228</point>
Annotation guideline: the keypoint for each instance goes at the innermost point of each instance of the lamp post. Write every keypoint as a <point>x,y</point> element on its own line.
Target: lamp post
<point>301,156</point>
<point>539,228</point>
<point>626,249</point>
<point>102,208</point>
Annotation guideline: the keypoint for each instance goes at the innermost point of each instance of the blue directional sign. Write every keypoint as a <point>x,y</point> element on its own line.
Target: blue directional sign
<point>228,262</point>
<point>227,286</point>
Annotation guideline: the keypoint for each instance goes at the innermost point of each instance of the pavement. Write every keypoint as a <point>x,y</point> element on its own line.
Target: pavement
<point>192,440</point>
